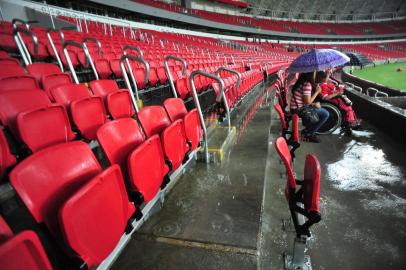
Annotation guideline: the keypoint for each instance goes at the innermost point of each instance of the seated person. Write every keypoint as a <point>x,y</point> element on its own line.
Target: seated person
<point>335,95</point>
<point>302,95</point>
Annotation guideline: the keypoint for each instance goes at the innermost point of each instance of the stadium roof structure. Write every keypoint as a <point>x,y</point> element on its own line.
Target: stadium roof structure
<point>329,10</point>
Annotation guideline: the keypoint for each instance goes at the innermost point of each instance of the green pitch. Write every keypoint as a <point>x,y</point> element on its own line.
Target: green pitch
<point>385,74</point>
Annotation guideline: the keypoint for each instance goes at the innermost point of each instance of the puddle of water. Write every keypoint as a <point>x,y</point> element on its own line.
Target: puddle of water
<point>363,167</point>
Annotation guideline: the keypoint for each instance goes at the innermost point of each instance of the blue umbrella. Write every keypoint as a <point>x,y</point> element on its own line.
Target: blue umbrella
<point>318,59</point>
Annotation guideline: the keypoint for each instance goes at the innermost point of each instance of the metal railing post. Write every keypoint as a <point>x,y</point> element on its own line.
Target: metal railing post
<point>197,104</point>
<point>169,74</point>
<point>21,45</point>
<point>99,52</point>
<point>125,58</point>
<point>67,56</point>
<point>223,94</point>
<point>51,41</point>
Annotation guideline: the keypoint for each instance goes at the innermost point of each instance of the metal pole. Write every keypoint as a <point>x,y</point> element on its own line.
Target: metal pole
<point>168,72</point>
<point>197,104</point>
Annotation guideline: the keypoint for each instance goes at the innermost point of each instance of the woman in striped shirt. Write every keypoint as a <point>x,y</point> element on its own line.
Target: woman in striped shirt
<point>302,94</point>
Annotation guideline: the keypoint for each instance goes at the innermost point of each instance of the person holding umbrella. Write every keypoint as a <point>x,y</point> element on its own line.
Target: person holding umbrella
<point>305,90</point>
<point>303,95</point>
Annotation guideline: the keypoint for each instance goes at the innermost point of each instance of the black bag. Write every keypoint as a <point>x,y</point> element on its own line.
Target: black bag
<point>308,114</point>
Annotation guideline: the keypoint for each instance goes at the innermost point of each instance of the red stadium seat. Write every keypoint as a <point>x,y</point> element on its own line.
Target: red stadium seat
<point>119,139</point>
<point>14,102</point>
<point>67,93</point>
<point>154,120</point>
<point>309,190</point>
<point>21,82</point>
<point>6,158</point>
<point>38,70</point>
<point>64,187</point>
<point>92,235</point>
<point>103,87</point>
<point>22,251</point>
<point>10,67</point>
<point>103,68</point>
<point>88,114</point>
<point>176,109</point>
<point>44,126</point>
<point>53,80</point>
<point>293,140</point>
<point>147,168</point>
<point>119,104</point>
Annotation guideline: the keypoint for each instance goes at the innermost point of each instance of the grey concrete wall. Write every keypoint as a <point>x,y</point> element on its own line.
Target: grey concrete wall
<point>140,8</point>
<point>389,118</point>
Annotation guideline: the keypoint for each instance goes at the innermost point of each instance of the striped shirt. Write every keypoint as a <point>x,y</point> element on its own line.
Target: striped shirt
<point>296,101</point>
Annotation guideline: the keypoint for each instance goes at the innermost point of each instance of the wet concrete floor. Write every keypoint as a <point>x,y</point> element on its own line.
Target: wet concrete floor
<point>230,215</point>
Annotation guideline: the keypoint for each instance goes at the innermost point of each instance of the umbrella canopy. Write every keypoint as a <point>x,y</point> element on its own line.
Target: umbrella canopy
<point>318,59</point>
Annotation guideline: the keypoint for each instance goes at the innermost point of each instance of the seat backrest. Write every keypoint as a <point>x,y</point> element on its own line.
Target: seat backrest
<point>52,80</point>
<point>24,251</point>
<point>91,234</point>
<point>6,157</point>
<point>284,153</point>
<point>147,168</point>
<point>119,104</point>
<point>10,67</point>
<point>18,83</point>
<point>311,184</point>
<point>14,102</point>
<point>278,109</point>
<point>175,107</point>
<point>40,69</point>
<point>103,87</point>
<point>295,127</point>
<point>65,94</point>
<point>118,139</point>
<point>47,178</point>
<point>153,120</point>
<point>88,114</point>
<point>193,128</point>
<point>44,126</point>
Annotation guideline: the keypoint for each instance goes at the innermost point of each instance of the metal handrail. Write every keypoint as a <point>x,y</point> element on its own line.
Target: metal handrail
<point>125,58</point>
<point>16,20</point>
<point>357,88</point>
<point>82,46</point>
<point>51,41</point>
<point>373,90</point>
<point>126,47</point>
<point>95,40</point>
<point>25,54</point>
<point>197,104</point>
<point>231,71</point>
<point>169,74</point>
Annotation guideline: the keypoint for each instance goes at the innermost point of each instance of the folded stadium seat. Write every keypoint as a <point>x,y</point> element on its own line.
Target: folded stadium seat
<point>176,109</point>
<point>64,187</point>
<point>53,80</point>
<point>293,140</point>
<point>163,78</point>
<point>42,52</point>
<point>39,70</point>
<point>65,94</point>
<point>11,67</point>
<point>153,75</point>
<point>183,87</point>
<point>6,158</point>
<point>115,68</point>
<point>154,120</point>
<point>103,87</point>
<point>103,68</point>
<point>119,104</point>
<point>88,114</point>
<point>146,169</point>
<point>73,56</point>
<point>20,82</point>
<point>7,42</point>
<point>14,102</point>
<point>44,126</point>
<point>21,251</point>
<point>309,190</point>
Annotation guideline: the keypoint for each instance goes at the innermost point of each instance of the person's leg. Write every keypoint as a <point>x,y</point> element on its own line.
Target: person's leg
<point>323,116</point>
